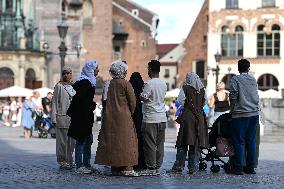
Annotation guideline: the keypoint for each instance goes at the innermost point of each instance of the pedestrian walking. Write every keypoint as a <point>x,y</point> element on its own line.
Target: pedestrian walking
<point>117,140</point>
<point>81,111</point>
<point>137,84</point>
<point>154,119</point>
<point>244,101</point>
<point>27,119</point>
<point>62,96</point>
<point>193,132</point>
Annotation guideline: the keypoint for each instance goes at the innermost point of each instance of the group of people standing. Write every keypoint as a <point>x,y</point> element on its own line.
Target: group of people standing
<point>132,135</point>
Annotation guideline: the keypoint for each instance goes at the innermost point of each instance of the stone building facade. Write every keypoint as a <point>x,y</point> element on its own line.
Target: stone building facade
<point>237,29</point>
<point>252,30</point>
<point>21,61</point>
<point>108,30</point>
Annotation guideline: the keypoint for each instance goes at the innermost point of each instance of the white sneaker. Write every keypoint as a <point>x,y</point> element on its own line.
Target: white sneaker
<point>15,125</point>
<point>83,170</point>
<point>149,172</point>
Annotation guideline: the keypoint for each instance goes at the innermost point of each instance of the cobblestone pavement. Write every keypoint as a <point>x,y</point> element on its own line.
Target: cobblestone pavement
<point>32,164</point>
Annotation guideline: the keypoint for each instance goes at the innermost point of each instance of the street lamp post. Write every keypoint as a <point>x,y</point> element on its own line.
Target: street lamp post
<point>62,31</point>
<point>218,57</point>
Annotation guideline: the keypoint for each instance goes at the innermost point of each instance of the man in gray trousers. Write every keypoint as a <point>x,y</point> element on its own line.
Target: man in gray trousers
<point>154,119</point>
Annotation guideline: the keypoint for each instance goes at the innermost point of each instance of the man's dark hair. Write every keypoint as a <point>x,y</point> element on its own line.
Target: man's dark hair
<point>154,66</point>
<point>243,65</point>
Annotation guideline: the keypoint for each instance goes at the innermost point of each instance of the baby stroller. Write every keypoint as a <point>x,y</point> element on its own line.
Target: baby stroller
<point>43,125</point>
<point>220,128</point>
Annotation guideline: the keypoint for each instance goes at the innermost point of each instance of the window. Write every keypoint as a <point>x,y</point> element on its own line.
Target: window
<point>8,33</point>
<point>167,73</point>
<point>200,69</point>
<point>87,12</point>
<point>232,4</point>
<point>268,44</point>
<point>267,81</point>
<point>232,44</point>
<point>135,12</point>
<point>116,48</point>
<point>268,3</point>
<point>9,6</point>
<point>1,6</point>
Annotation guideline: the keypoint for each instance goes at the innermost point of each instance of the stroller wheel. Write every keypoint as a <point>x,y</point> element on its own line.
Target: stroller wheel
<point>202,166</point>
<point>215,168</point>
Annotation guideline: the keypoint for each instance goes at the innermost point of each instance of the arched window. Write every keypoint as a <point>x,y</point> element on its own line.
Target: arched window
<point>6,78</point>
<point>30,79</point>
<point>268,44</point>
<point>267,81</point>
<point>232,44</point>
<point>200,69</point>
<point>227,79</point>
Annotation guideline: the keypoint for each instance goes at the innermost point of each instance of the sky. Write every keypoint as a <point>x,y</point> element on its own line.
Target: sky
<point>176,17</point>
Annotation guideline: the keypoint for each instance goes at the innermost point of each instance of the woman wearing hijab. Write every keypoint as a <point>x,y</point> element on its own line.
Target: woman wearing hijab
<point>62,96</point>
<point>193,132</point>
<point>82,116</point>
<point>137,84</point>
<point>117,141</point>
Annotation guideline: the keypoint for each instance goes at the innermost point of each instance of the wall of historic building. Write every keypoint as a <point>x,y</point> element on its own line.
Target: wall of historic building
<point>195,44</point>
<point>140,46</point>
<point>97,36</point>
<point>249,15</point>
<point>23,56</point>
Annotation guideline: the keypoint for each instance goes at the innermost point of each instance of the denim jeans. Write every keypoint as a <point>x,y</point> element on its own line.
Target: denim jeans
<point>193,158</point>
<point>83,152</point>
<point>244,136</point>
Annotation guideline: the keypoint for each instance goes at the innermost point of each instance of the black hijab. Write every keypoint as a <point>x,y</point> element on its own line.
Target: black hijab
<point>137,83</point>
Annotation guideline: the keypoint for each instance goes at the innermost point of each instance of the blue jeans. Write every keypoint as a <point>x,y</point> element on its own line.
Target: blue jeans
<point>193,158</point>
<point>83,152</point>
<point>244,132</point>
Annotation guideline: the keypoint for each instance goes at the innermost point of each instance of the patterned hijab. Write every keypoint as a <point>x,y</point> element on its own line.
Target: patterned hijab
<point>118,70</point>
<point>88,72</point>
<point>193,80</point>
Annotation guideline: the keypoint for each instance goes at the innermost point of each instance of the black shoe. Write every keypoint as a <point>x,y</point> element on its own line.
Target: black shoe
<point>249,170</point>
<point>238,172</point>
<point>174,171</point>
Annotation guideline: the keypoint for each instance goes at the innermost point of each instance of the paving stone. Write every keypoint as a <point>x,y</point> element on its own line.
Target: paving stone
<point>32,164</point>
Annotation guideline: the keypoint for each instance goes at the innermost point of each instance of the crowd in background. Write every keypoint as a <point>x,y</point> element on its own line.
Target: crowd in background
<point>24,111</point>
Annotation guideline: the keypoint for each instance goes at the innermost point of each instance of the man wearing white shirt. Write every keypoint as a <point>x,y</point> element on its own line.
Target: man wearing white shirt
<point>154,119</point>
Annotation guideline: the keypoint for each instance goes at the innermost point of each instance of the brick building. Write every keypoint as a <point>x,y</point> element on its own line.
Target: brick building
<point>195,45</point>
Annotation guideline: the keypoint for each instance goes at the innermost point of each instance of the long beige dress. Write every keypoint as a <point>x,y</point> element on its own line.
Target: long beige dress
<point>64,144</point>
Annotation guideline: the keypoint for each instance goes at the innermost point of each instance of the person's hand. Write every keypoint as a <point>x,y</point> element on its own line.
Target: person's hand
<point>54,125</point>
